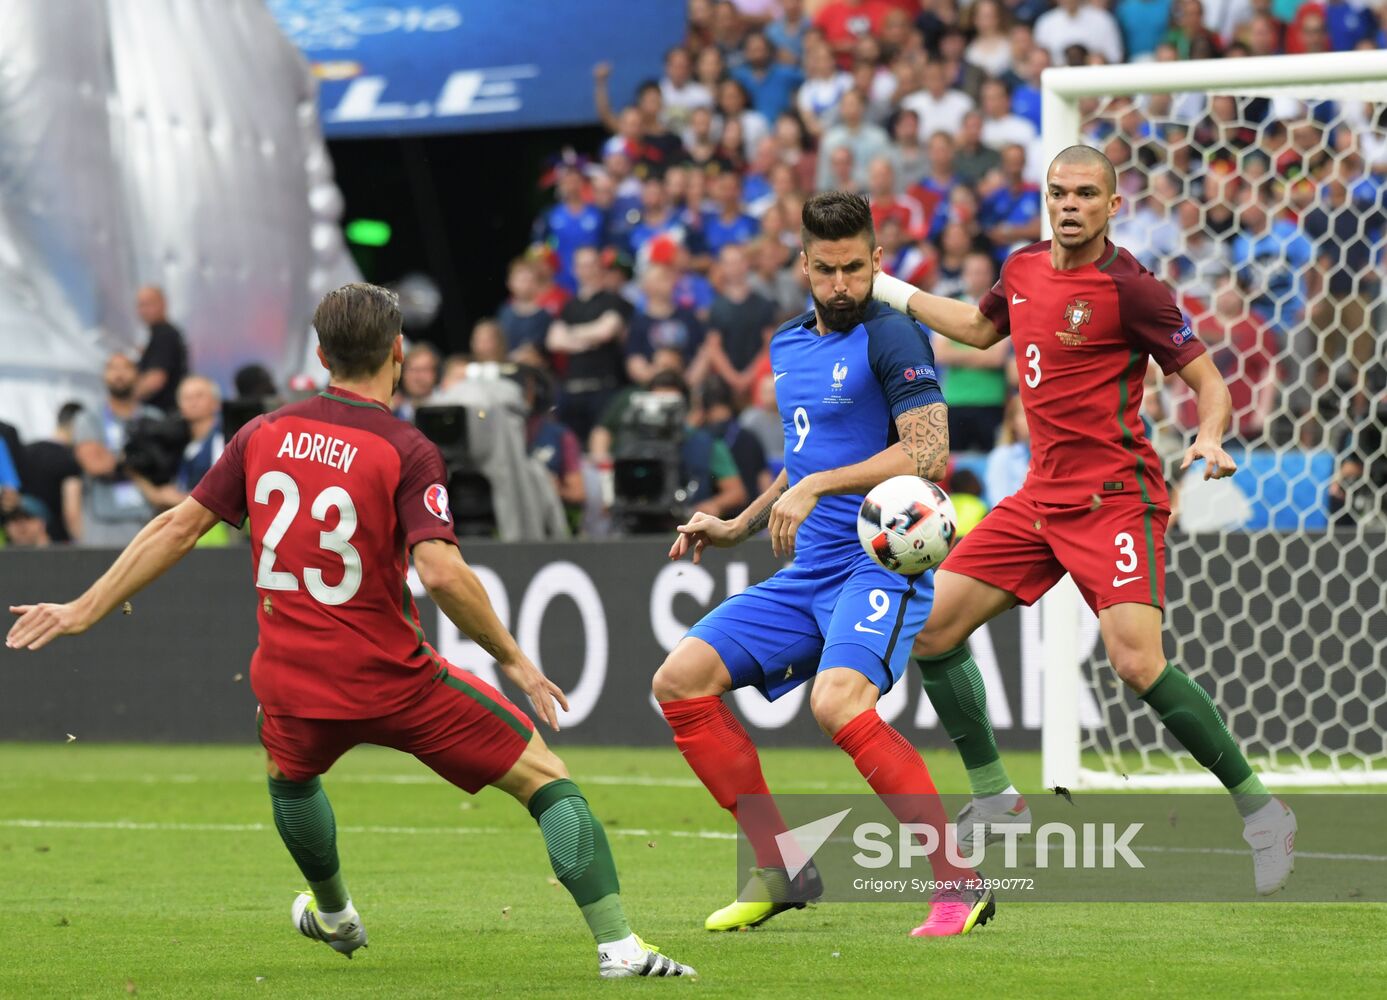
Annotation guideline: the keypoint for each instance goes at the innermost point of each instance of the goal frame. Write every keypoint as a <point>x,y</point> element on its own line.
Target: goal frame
<point>1326,76</point>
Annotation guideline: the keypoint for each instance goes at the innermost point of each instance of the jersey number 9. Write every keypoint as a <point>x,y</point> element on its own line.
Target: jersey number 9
<point>801,427</point>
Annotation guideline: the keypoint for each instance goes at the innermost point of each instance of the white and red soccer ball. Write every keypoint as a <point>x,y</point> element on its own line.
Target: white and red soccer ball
<point>907,524</point>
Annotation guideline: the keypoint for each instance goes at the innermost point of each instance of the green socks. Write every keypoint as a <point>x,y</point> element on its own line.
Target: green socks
<point>581,858</point>
<point>1192,719</point>
<point>956,691</point>
<point>303,817</point>
<point>577,849</point>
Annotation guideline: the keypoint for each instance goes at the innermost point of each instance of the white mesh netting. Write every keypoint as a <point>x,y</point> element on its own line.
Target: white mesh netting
<point>1266,215</point>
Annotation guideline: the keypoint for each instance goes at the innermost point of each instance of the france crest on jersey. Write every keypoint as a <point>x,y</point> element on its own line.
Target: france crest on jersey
<point>838,396</point>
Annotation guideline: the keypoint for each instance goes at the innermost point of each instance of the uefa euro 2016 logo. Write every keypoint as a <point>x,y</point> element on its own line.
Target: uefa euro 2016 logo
<point>436,500</point>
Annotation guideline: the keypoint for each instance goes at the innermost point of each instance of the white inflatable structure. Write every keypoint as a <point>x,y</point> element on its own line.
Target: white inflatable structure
<point>166,142</point>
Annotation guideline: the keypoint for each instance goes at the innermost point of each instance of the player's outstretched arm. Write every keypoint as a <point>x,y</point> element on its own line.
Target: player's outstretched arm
<point>923,451</point>
<point>959,321</point>
<point>1215,407</point>
<point>456,589</point>
<point>160,544</point>
<point>703,530</point>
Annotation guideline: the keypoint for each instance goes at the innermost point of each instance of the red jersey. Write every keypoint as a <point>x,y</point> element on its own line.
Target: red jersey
<point>842,23</point>
<point>338,491</point>
<point>1082,338</point>
<point>1244,352</point>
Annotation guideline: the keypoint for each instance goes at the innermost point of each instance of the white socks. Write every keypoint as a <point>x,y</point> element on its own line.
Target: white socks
<point>1272,810</point>
<point>1005,799</point>
<point>628,950</point>
<point>331,920</point>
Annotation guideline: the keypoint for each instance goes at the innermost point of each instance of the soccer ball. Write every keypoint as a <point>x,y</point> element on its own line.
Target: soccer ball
<point>907,524</point>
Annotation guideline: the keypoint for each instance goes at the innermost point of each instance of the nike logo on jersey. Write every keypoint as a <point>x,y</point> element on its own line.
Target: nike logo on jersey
<point>1016,300</point>
<point>1122,581</point>
<point>779,376</point>
<point>863,628</point>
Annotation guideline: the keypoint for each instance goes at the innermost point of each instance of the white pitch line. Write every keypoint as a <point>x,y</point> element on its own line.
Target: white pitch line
<point>130,825</point>
<point>1310,855</point>
<point>424,831</point>
<point>617,780</point>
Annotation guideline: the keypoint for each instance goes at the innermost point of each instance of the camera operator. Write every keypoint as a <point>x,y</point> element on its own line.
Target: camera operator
<point>113,509</point>
<point>1358,493</point>
<point>714,486</point>
<point>199,406</point>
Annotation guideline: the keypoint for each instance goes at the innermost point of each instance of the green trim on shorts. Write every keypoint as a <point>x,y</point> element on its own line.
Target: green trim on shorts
<point>490,704</point>
<point>1139,464</point>
<point>406,606</point>
<point>1151,553</point>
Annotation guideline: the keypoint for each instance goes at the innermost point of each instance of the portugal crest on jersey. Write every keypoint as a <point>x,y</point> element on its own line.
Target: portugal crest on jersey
<point>1076,314</point>
<point>436,500</point>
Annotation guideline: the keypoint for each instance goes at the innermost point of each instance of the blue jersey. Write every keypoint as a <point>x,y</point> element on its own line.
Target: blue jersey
<point>718,234</point>
<point>568,232</point>
<point>839,395</point>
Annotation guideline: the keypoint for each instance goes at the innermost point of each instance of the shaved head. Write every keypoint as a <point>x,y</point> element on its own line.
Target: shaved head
<point>1087,156</point>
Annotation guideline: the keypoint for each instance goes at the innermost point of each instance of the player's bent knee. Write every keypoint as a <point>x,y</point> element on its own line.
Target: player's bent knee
<point>272,769</point>
<point>693,669</point>
<point>935,642</point>
<point>839,696</point>
<point>537,767</point>
<point>1137,668</point>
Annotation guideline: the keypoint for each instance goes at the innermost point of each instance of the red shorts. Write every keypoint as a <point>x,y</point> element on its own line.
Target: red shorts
<point>462,727</point>
<point>1115,552</point>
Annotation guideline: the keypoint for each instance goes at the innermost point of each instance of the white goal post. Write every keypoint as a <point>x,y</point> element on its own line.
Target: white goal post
<point>1302,739</point>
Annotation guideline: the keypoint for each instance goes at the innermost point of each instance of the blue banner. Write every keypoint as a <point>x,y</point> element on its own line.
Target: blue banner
<point>396,67</point>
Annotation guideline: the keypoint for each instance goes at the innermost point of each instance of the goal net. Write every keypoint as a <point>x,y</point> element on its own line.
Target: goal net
<point>1257,189</point>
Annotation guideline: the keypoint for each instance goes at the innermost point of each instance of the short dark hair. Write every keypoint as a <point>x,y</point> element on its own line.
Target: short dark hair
<point>1087,156</point>
<point>67,413</point>
<point>669,380</point>
<point>836,215</point>
<point>253,381</point>
<point>713,391</point>
<point>357,325</point>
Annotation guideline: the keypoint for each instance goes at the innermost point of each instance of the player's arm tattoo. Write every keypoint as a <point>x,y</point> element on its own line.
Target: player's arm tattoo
<point>493,648</point>
<point>924,433</point>
<point>758,521</point>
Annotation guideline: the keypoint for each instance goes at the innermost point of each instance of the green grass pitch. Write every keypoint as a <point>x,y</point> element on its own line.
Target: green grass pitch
<point>156,871</point>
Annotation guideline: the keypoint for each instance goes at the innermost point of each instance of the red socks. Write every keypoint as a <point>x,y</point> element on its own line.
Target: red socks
<point>894,768</point>
<point>725,760</point>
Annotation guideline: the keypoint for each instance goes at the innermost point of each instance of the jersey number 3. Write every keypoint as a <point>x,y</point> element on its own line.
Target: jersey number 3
<point>1033,364</point>
<point>337,540</point>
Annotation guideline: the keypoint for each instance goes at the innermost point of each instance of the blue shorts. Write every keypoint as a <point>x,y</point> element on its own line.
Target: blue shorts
<point>779,633</point>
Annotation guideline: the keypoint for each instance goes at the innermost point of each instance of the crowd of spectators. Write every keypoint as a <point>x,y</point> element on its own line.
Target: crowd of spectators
<point>670,252</point>
<point>80,485</point>
<point>673,247</point>
<point>111,466</point>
